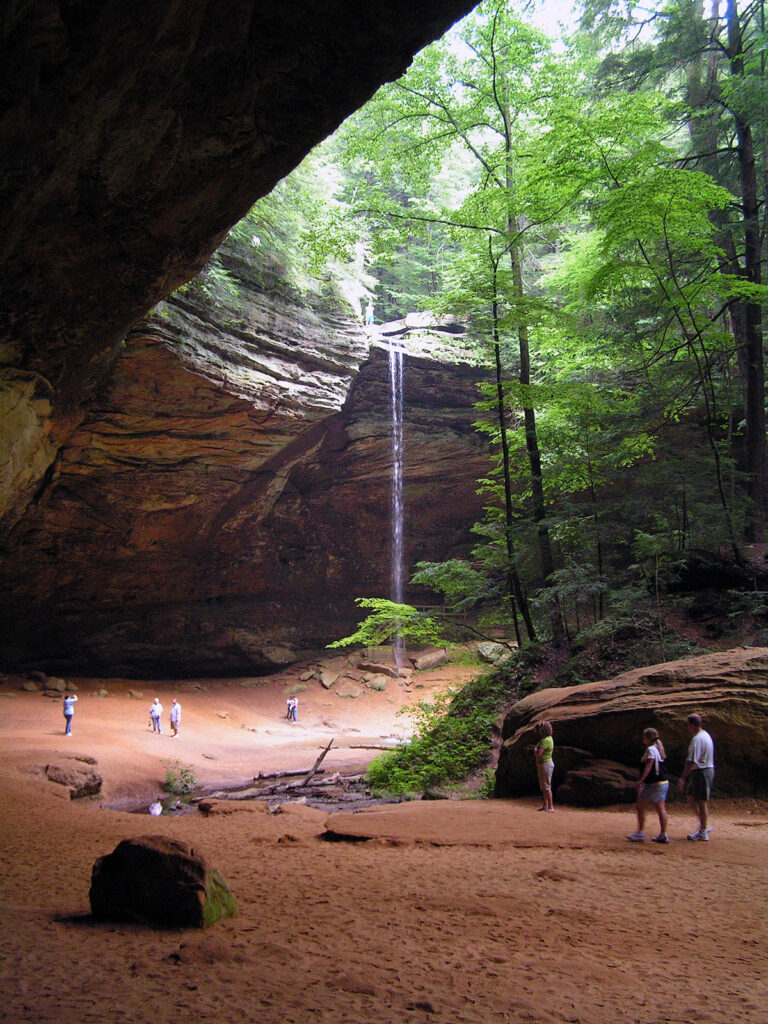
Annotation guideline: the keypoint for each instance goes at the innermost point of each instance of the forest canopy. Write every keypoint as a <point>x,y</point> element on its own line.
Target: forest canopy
<point>595,210</point>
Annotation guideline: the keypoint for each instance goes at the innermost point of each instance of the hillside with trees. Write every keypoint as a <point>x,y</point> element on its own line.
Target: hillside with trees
<point>595,211</point>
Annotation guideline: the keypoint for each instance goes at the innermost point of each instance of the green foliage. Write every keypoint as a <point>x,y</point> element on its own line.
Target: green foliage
<point>179,779</point>
<point>459,655</point>
<point>461,585</point>
<point>584,212</point>
<point>451,738</point>
<point>389,622</point>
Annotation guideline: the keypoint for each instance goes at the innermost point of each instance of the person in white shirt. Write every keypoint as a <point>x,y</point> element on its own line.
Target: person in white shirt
<point>69,710</point>
<point>699,774</point>
<point>652,788</point>
<point>155,711</point>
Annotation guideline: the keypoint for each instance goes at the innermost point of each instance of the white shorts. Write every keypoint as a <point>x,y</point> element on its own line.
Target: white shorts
<point>545,775</point>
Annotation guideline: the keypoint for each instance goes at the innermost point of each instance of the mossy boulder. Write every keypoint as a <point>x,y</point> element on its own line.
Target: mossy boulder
<point>161,882</point>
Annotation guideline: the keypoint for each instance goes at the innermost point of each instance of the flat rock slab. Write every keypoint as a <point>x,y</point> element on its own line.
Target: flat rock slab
<point>347,689</point>
<point>380,668</point>
<point>159,881</point>
<point>216,806</point>
<point>79,780</point>
<point>456,823</point>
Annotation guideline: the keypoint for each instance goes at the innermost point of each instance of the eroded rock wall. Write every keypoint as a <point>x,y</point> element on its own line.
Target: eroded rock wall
<point>598,727</point>
<point>227,494</point>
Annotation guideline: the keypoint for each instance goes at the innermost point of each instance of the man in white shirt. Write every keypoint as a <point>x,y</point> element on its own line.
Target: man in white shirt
<point>699,772</point>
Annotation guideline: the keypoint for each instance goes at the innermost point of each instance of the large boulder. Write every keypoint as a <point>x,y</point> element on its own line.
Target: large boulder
<point>604,721</point>
<point>432,658</point>
<point>491,652</point>
<point>159,881</point>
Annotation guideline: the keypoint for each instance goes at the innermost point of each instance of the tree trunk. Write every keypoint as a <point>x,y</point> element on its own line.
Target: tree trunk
<point>513,580</point>
<point>751,344</point>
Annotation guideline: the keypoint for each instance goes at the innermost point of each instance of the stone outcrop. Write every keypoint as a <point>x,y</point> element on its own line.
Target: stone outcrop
<point>128,146</point>
<point>604,722</point>
<point>226,497</point>
<point>79,778</point>
<point>159,881</point>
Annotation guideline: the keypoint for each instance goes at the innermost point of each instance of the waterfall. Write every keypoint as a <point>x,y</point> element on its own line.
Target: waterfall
<point>396,499</point>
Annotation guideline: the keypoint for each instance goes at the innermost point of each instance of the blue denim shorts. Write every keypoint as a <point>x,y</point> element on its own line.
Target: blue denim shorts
<point>654,794</point>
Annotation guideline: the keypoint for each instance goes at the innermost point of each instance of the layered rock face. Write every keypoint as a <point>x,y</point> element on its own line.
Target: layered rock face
<point>227,495</point>
<point>131,138</point>
<point>598,727</point>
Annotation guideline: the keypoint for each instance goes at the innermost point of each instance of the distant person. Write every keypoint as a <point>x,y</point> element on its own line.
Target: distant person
<point>289,709</point>
<point>155,711</point>
<point>369,313</point>
<point>652,787</point>
<point>175,718</point>
<point>699,774</point>
<point>545,766</point>
<point>69,709</point>
<point>295,709</point>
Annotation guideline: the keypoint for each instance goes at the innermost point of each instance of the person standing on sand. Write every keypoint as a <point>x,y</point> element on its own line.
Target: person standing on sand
<point>155,711</point>
<point>69,709</point>
<point>652,788</point>
<point>295,709</point>
<point>699,772</point>
<point>545,766</point>
<point>175,718</point>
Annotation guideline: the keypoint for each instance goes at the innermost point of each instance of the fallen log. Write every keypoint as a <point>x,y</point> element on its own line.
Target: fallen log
<point>283,774</point>
<point>374,746</point>
<point>316,765</point>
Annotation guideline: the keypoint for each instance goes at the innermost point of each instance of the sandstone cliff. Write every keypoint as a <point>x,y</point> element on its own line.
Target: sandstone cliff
<point>598,727</point>
<point>129,143</point>
<point>226,496</point>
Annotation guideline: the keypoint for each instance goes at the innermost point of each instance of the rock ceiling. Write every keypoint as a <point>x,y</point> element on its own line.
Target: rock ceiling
<point>131,138</point>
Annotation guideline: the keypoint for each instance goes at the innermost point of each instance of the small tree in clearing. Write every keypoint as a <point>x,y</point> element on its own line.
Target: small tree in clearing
<point>389,623</point>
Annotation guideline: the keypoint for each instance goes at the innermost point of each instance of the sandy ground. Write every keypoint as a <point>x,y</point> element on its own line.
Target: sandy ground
<point>447,912</point>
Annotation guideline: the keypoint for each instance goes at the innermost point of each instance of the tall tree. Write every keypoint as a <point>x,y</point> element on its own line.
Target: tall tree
<point>713,63</point>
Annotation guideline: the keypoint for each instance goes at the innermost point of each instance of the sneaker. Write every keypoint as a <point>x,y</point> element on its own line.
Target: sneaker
<point>637,837</point>
<point>704,836</point>
<point>663,838</point>
<point>695,836</point>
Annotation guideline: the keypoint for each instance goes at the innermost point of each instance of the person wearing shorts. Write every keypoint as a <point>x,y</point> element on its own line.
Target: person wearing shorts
<point>545,765</point>
<point>652,788</point>
<point>699,774</point>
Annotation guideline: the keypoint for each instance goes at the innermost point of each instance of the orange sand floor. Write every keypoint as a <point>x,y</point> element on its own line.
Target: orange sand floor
<point>440,912</point>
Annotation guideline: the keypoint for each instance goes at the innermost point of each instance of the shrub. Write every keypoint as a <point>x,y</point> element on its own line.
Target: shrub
<point>179,779</point>
<point>451,738</point>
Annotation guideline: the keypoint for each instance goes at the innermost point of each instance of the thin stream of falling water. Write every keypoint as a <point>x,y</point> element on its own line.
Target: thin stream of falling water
<point>396,500</point>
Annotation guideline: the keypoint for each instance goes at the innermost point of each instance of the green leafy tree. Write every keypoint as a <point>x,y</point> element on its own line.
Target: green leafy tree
<point>388,622</point>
